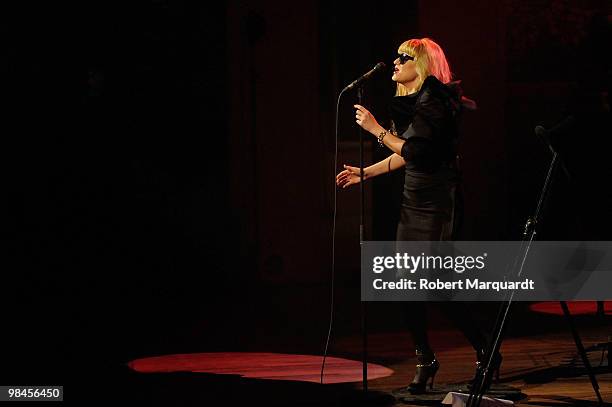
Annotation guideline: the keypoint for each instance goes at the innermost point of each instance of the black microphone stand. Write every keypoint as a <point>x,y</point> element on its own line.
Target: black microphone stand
<point>484,376</point>
<point>367,398</point>
<point>364,326</point>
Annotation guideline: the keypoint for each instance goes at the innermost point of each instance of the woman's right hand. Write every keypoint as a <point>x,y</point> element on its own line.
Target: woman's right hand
<point>348,177</point>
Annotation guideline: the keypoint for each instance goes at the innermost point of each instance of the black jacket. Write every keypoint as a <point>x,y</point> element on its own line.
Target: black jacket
<point>428,121</point>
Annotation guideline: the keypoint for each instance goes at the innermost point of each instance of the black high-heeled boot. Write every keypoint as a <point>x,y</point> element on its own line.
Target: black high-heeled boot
<point>426,368</point>
<point>481,362</point>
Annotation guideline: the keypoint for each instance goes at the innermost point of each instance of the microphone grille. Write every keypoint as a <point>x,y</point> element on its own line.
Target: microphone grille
<point>541,131</point>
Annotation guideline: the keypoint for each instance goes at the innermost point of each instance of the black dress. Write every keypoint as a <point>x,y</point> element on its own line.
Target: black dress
<point>432,204</point>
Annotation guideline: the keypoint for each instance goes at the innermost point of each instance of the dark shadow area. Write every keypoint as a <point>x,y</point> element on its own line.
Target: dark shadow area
<point>196,389</point>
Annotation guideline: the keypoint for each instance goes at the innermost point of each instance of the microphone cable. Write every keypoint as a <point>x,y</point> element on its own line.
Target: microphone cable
<point>333,262</point>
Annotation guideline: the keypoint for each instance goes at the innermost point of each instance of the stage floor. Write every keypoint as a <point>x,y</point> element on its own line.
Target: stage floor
<point>546,369</point>
<point>543,368</point>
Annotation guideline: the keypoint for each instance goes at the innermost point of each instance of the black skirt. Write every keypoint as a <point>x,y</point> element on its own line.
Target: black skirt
<point>432,206</point>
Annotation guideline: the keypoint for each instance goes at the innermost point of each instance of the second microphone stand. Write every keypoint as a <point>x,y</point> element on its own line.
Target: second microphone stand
<point>484,376</point>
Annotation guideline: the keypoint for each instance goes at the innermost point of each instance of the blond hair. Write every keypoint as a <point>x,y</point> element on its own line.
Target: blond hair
<point>429,59</point>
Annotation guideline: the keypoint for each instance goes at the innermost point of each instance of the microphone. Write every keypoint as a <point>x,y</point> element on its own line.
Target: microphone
<point>379,67</point>
<point>542,133</point>
<point>551,137</point>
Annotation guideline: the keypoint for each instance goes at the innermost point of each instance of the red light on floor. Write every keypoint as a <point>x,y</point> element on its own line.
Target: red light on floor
<point>272,366</point>
<point>575,307</point>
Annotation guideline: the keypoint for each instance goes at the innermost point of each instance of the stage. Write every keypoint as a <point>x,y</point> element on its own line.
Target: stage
<point>540,368</point>
<point>180,233</point>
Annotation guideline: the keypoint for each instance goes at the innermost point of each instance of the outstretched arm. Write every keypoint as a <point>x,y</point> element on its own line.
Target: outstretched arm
<point>350,175</point>
<point>391,163</point>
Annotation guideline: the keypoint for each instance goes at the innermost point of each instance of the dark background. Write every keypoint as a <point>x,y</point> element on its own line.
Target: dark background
<point>170,164</point>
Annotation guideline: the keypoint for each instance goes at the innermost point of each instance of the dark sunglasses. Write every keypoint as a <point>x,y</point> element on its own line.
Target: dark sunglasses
<point>403,57</point>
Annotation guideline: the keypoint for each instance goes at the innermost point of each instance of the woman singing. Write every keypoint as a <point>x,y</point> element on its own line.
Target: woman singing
<point>423,138</point>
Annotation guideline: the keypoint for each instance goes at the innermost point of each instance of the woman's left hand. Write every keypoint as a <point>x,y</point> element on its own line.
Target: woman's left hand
<point>365,119</point>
